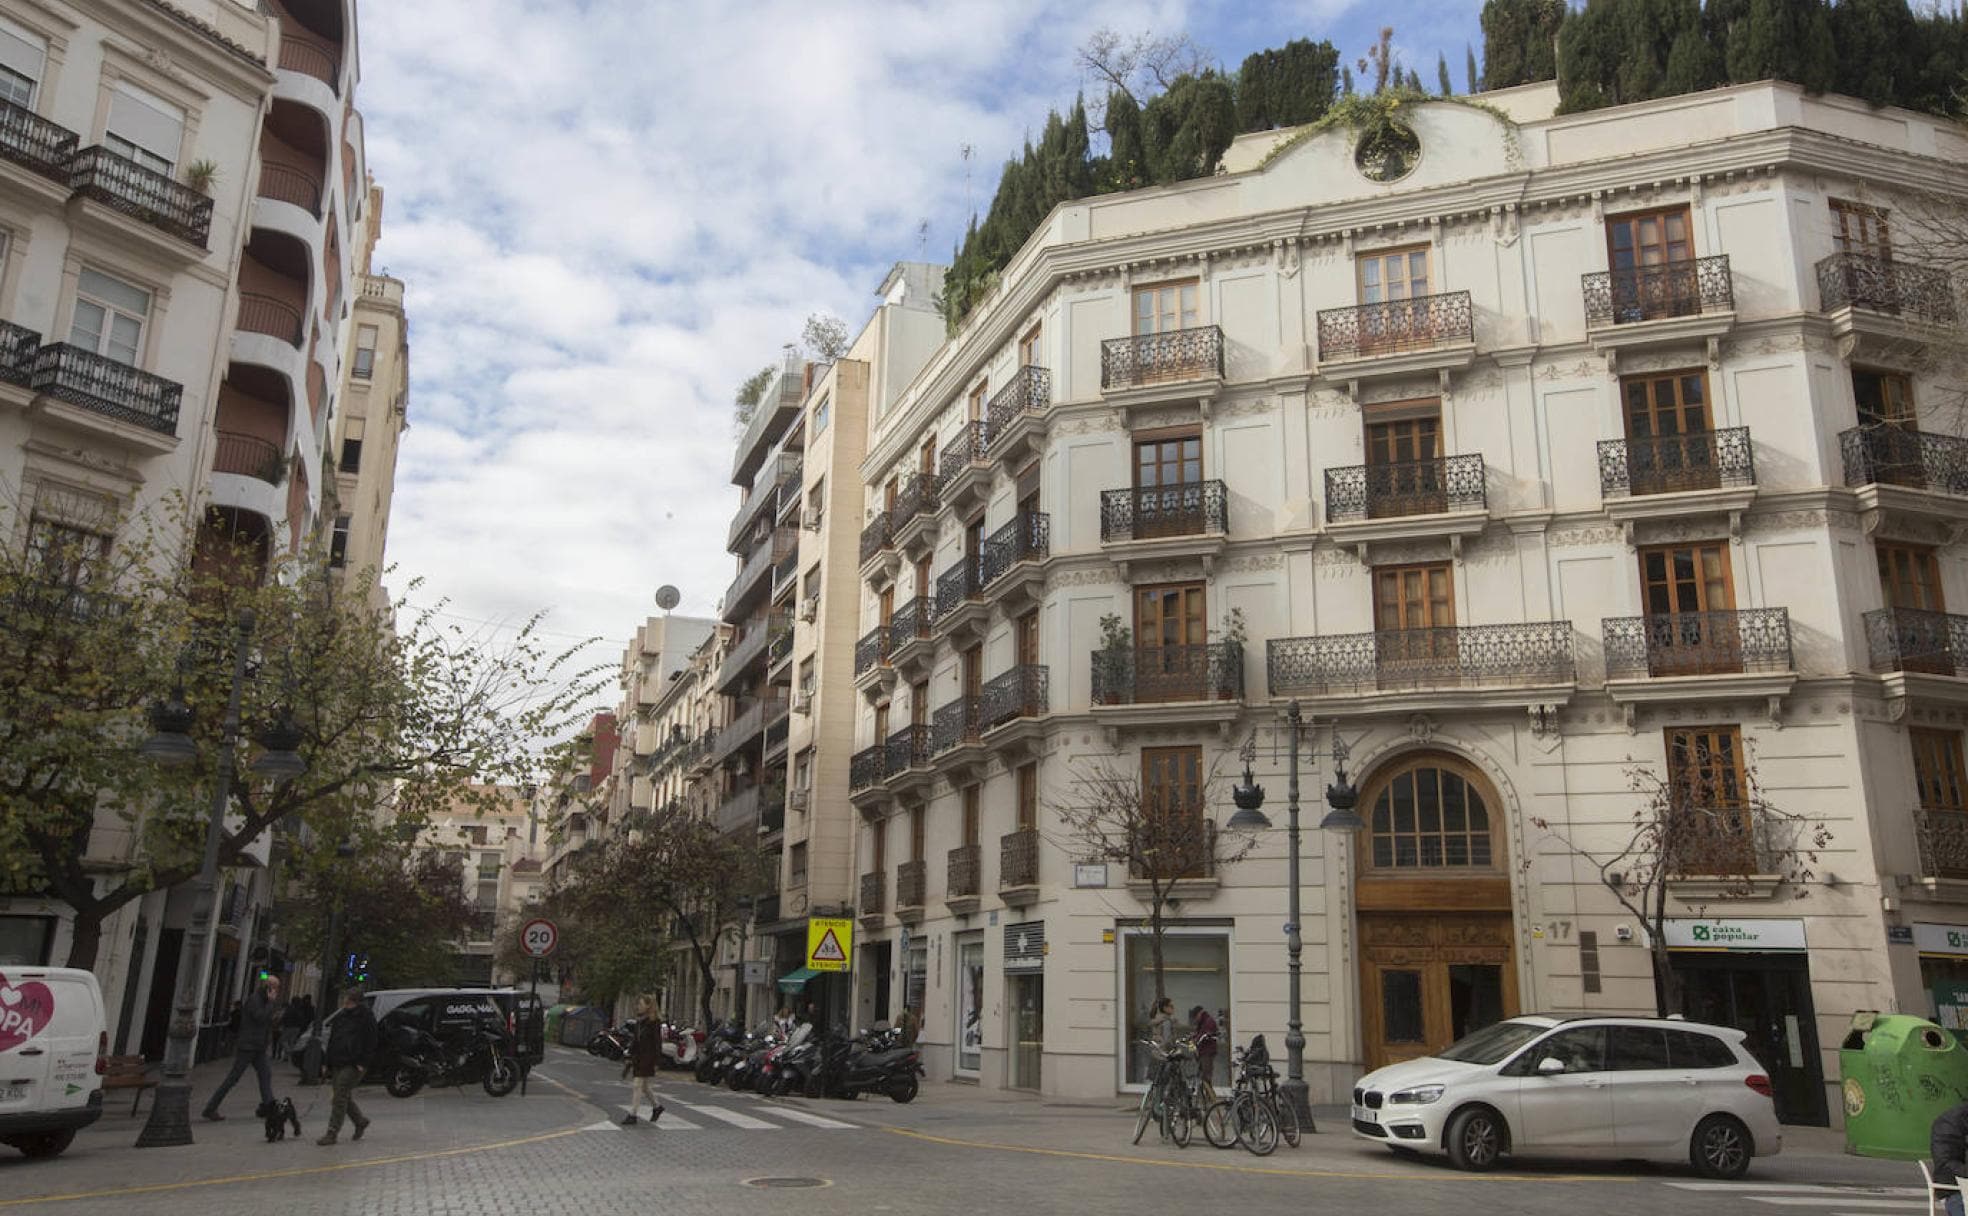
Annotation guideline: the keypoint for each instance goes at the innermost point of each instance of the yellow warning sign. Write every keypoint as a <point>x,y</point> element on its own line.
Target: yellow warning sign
<point>828,943</point>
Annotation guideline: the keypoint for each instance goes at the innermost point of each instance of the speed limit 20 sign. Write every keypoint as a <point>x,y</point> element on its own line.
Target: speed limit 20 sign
<point>538,938</point>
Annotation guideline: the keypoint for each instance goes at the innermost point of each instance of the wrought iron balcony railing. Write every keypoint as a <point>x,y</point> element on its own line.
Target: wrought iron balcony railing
<point>1165,358</point>
<point>1888,455</point>
<point>286,184</point>
<point>918,496</point>
<point>1408,487</point>
<point>1942,833</point>
<point>957,586</point>
<point>86,379</point>
<point>867,767</point>
<point>1726,642</point>
<point>1725,840</point>
<point>907,748</point>
<point>1395,326</point>
<point>1913,639</point>
<point>33,142</point>
<point>910,882</point>
<point>18,347</point>
<point>955,724</point>
<point>1453,656</point>
<point>874,894</point>
<point>877,536</point>
<point>1686,288</point>
<point>1858,280</point>
<point>871,649</point>
<point>1155,512</point>
<point>1019,693</point>
<point>971,446</point>
<point>1029,392</point>
<point>966,868</point>
<point>249,456</point>
<point>142,193</point>
<point>1151,675</point>
<point>1018,859</point>
<point>1666,464</point>
<point>912,621</point>
<point>1180,854</point>
<point>1026,538</point>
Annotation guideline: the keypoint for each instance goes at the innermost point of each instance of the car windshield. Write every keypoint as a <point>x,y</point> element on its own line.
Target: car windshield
<point>1492,1043</point>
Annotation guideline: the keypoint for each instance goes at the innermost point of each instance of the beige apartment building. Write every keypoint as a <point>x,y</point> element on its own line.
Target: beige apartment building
<point>371,415</point>
<point>660,649</point>
<point>487,843</point>
<point>1522,451</point>
<point>177,184</point>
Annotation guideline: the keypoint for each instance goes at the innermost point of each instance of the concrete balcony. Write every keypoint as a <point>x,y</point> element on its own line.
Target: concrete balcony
<point>1905,473</point>
<point>964,469</point>
<point>962,613</point>
<point>963,879</point>
<point>1671,476</point>
<point>879,561</point>
<point>1880,307</point>
<point>1192,685</point>
<point>913,522</point>
<point>873,674</point>
<point>1014,562</point>
<point>906,761</point>
<point>1018,867</point>
<point>1397,338</point>
<point>873,903</point>
<point>1699,656</point>
<point>112,399</point>
<point>1013,706</point>
<point>911,638</point>
<point>1919,653</point>
<point>957,739</point>
<point>41,147</point>
<point>124,188</point>
<point>911,882</point>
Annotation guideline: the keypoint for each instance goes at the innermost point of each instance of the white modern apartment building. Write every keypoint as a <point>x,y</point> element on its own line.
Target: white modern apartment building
<point>1524,452</point>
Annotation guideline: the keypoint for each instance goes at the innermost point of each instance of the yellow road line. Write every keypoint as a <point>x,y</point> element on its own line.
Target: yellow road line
<point>1258,1169</point>
<point>296,1172</point>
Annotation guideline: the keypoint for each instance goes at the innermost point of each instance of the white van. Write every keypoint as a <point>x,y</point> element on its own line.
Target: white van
<point>53,1041</point>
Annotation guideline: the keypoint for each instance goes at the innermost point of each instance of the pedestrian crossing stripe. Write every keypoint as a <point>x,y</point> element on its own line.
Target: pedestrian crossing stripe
<point>829,950</point>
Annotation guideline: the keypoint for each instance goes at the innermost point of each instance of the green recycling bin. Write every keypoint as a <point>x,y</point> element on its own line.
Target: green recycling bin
<point>1899,1073</point>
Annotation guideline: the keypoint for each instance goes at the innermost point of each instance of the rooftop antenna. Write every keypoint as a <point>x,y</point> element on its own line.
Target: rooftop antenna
<point>969,207</point>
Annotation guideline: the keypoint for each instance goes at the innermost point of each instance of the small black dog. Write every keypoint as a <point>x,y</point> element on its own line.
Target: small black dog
<point>279,1117</point>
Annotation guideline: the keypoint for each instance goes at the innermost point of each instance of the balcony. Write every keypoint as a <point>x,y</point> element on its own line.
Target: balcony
<point>872,672</point>
<point>1673,302</point>
<point>106,388</point>
<point>764,494</point>
<point>1878,306</point>
<point>961,613</point>
<point>1016,420</point>
<point>778,731</point>
<point>1150,368</point>
<point>1942,836</point>
<point>874,898</point>
<point>964,469</point>
<point>777,407</point>
<point>1383,671</point>
<point>19,347</point>
<point>306,52</point>
<point>752,575</point>
<point>1190,685</point>
<point>956,738</point>
<point>866,769</point>
<point>964,879</point>
<point>249,456</point>
<point>35,144</point>
<point>1159,523</point>
<point>878,549</point>
<point>748,648</point>
<point>1011,705</point>
<point>905,766</point>
<point>785,574</point>
<point>911,880</point>
<point>1699,655</point>
<point>746,809</point>
<point>746,726</point>
<point>1903,471</point>
<point>910,648</point>
<point>1018,866</point>
<point>270,315</point>
<point>287,184</point>
<point>912,522</point>
<point>779,651</point>
<point>1669,476</point>
<point>1902,641</point>
<point>1397,338</point>
<point>1407,500</point>
<point>1014,561</point>
<point>142,193</point>
<point>1189,841</point>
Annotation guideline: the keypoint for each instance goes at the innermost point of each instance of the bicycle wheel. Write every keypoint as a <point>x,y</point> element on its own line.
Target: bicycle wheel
<point>1181,1123</point>
<point>1256,1126</point>
<point>1287,1120</point>
<point>1146,1113</point>
<point>1219,1125</point>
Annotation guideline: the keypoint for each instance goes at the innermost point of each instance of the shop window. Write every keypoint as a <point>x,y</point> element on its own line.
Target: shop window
<point>1195,971</point>
<point>970,1005</point>
<point>26,941</point>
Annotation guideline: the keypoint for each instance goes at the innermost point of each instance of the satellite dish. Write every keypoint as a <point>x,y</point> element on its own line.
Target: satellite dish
<point>668,597</point>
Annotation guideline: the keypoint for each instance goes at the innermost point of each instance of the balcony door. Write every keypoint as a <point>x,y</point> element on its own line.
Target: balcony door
<point>1168,474</point>
<point>1172,792</point>
<point>1689,601</point>
<point>1171,628</point>
<point>1638,242</point>
<point>974,555</point>
<point>1938,775</point>
<point>1910,583</point>
<point>1706,789</point>
<point>1888,427</point>
<point>1165,308</point>
<point>1414,622</point>
<point>1859,229</point>
<point>1025,639</point>
<point>1670,435</point>
<point>1388,278</point>
<point>1404,471</point>
<point>919,704</point>
<point>973,688</point>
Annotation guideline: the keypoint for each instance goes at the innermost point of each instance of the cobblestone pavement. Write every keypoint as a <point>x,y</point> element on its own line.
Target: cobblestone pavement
<point>560,1149</point>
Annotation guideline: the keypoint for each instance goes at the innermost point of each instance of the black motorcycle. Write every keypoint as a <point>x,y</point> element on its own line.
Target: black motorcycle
<point>421,1058</point>
<point>613,1044</point>
<point>721,1048</point>
<point>875,1063</point>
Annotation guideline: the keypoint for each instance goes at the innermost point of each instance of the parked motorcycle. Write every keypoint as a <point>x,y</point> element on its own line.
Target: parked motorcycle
<point>420,1058</point>
<point>613,1044</point>
<point>874,1063</point>
<point>721,1048</point>
<point>681,1046</point>
<point>744,1071</point>
<point>789,1070</point>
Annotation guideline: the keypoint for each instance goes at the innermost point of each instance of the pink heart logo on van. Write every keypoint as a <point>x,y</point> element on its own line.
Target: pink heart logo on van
<point>25,1011</point>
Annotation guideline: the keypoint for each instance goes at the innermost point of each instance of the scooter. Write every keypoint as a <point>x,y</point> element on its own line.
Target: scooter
<point>681,1047</point>
<point>875,1063</point>
<point>744,1071</point>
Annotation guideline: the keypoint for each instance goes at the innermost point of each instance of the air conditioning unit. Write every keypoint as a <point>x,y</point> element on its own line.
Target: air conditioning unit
<point>809,608</point>
<point>797,799</point>
<point>810,519</point>
<point>802,702</point>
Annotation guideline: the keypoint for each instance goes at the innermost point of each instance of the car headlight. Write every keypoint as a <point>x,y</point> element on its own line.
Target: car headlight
<point>1420,1095</point>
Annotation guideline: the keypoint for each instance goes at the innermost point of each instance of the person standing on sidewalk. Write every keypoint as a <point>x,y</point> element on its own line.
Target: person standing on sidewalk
<point>351,1045</point>
<point>257,1018</point>
<point>644,1051</point>
<point>1204,1029</point>
<point>1948,1141</point>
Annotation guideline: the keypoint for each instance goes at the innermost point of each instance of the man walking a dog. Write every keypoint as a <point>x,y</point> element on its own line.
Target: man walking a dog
<point>351,1044</point>
<point>257,1018</point>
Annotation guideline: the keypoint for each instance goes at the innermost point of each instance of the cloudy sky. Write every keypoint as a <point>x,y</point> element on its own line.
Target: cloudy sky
<point>609,212</point>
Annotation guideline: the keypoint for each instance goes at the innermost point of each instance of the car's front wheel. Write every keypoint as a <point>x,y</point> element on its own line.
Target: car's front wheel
<point>1721,1148</point>
<point>1476,1139</point>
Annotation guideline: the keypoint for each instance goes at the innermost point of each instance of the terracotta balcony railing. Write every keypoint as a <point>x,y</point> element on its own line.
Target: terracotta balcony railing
<point>248,456</point>
<point>286,184</point>
<point>270,315</point>
<point>310,56</point>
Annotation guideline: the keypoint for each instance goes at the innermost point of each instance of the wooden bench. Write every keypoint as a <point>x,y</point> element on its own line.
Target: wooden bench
<point>128,1072</point>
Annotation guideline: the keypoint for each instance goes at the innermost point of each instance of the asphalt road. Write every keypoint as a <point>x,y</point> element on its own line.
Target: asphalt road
<point>560,1149</point>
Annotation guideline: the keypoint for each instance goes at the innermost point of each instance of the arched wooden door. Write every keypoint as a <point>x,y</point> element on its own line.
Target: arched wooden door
<point>1437,946</point>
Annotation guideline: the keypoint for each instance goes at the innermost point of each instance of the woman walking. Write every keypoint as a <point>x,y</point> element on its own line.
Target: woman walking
<point>645,1049</point>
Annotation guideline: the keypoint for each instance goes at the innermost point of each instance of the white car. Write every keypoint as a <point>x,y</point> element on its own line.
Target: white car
<point>1645,1088</point>
<point>52,1054</point>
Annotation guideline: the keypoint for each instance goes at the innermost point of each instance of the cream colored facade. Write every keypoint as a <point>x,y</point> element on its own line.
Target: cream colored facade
<point>486,844</point>
<point>371,415</point>
<point>1377,447</point>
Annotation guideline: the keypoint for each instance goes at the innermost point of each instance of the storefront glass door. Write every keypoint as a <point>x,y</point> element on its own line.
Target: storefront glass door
<point>1026,999</point>
<point>970,1006</point>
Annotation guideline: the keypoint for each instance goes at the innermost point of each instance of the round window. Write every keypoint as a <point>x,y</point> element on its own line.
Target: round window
<point>1388,152</point>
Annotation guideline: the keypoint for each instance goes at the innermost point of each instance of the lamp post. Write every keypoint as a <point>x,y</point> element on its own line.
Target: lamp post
<point>171,744</point>
<point>1249,797</point>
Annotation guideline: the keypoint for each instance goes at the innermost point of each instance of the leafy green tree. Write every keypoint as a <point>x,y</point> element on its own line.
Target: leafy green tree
<point>1287,86</point>
<point>404,909</point>
<point>1443,85</point>
<point>1519,41</point>
<point>1186,129</point>
<point>1346,81</point>
<point>750,392</point>
<point>1470,75</point>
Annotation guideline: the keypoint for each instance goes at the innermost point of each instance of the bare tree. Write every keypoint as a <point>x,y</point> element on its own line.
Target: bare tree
<point>1163,838</point>
<point>1931,254</point>
<point>1137,64</point>
<point>1706,822</point>
<point>825,337</point>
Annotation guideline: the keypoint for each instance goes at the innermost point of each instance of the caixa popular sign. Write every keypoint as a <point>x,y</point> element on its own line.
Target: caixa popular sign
<point>1727,934</point>
<point>1940,939</point>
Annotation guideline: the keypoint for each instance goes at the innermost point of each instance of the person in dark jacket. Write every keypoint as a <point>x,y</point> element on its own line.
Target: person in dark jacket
<point>351,1045</point>
<point>1949,1144</point>
<point>1203,1029</point>
<point>645,1050</point>
<point>257,1018</point>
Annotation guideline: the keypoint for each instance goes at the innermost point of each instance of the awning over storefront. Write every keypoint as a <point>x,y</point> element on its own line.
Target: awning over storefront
<point>793,981</point>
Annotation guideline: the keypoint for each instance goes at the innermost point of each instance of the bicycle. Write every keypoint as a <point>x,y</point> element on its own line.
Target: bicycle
<point>1171,1099</point>
<point>1253,1115</point>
